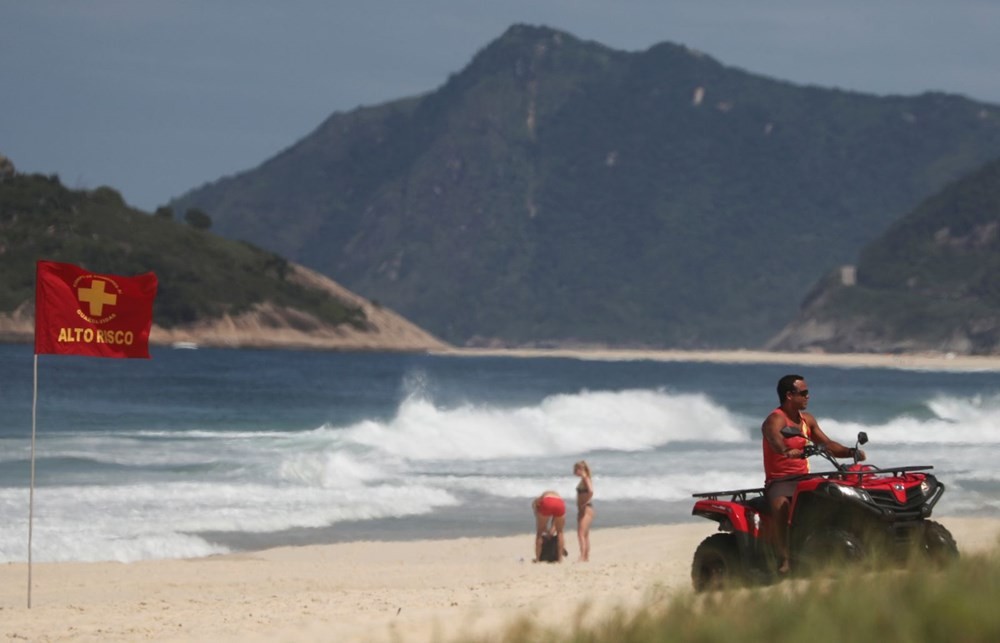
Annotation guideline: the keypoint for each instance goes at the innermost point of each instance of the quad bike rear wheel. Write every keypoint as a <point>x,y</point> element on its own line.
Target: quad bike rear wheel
<point>717,564</point>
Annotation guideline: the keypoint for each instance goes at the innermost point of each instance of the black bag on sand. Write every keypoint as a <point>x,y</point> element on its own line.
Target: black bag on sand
<point>550,549</point>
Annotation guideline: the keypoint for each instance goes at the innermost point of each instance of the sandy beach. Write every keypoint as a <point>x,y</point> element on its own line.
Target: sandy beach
<point>364,591</point>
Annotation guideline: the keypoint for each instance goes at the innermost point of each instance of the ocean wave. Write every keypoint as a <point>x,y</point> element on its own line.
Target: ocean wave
<point>954,420</point>
<point>561,425</point>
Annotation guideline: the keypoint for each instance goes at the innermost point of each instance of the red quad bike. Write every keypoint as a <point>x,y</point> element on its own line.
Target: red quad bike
<point>854,514</point>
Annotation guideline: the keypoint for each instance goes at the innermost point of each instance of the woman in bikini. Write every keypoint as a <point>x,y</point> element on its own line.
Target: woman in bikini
<point>584,508</point>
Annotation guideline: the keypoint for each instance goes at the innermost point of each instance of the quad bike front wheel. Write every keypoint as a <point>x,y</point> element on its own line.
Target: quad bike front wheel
<point>831,547</point>
<point>938,543</point>
<point>717,564</point>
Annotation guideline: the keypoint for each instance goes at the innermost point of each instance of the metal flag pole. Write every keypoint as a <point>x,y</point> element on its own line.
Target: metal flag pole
<point>31,488</point>
<point>59,293</point>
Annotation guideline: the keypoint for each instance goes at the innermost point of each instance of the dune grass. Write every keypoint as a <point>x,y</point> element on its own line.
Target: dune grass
<point>958,603</point>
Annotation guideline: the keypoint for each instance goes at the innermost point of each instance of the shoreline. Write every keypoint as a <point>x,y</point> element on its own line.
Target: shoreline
<point>934,361</point>
<point>368,591</point>
<point>909,361</point>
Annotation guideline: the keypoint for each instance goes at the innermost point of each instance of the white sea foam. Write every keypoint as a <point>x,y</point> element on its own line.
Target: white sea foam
<point>127,523</point>
<point>668,487</point>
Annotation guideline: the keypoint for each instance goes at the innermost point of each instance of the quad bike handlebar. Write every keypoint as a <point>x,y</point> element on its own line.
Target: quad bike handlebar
<point>811,450</point>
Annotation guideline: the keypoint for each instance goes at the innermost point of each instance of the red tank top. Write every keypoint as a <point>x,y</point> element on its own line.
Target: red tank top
<point>795,436</point>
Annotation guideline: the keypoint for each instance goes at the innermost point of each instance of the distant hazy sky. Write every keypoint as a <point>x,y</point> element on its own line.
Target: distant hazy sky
<point>155,97</point>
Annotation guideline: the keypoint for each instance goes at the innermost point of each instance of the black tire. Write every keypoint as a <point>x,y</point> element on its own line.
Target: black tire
<point>831,547</point>
<point>717,564</point>
<point>938,543</point>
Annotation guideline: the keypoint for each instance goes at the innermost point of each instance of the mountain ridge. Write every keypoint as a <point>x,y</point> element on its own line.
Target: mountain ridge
<point>556,191</point>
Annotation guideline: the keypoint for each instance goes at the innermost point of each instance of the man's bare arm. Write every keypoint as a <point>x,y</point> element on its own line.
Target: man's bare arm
<point>836,448</point>
<point>772,433</point>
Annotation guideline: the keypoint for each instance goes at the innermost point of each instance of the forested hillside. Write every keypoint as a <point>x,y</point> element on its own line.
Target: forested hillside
<point>931,282</point>
<point>557,191</point>
<point>201,275</point>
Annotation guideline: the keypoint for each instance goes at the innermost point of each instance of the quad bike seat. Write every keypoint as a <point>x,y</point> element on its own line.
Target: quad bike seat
<point>760,505</point>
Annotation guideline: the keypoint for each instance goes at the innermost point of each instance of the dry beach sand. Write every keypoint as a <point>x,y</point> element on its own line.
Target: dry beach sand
<point>363,591</point>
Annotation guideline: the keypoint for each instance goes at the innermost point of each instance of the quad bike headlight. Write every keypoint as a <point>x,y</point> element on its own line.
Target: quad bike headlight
<point>925,488</point>
<point>841,491</point>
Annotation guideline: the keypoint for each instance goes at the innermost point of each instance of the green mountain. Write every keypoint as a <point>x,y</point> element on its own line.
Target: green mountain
<point>931,282</point>
<point>556,191</point>
<point>202,276</point>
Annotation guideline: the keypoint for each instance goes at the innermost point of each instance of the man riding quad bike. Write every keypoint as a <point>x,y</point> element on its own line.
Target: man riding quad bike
<point>856,513</point>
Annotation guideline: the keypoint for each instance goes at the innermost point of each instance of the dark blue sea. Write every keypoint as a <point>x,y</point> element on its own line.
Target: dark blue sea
<point>198,452</point>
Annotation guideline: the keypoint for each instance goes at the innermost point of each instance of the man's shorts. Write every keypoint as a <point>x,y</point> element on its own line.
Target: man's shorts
<point>784,488</point>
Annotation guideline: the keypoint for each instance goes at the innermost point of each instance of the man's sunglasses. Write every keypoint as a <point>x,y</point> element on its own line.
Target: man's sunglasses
<point>802,393</point>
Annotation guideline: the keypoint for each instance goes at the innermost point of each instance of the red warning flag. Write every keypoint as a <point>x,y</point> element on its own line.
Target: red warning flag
<point>78,312</point>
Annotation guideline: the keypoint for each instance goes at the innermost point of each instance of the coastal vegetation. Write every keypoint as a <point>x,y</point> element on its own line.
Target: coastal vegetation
<point>917,606</point>
<point>557,192</point>
<point>201,276</point>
